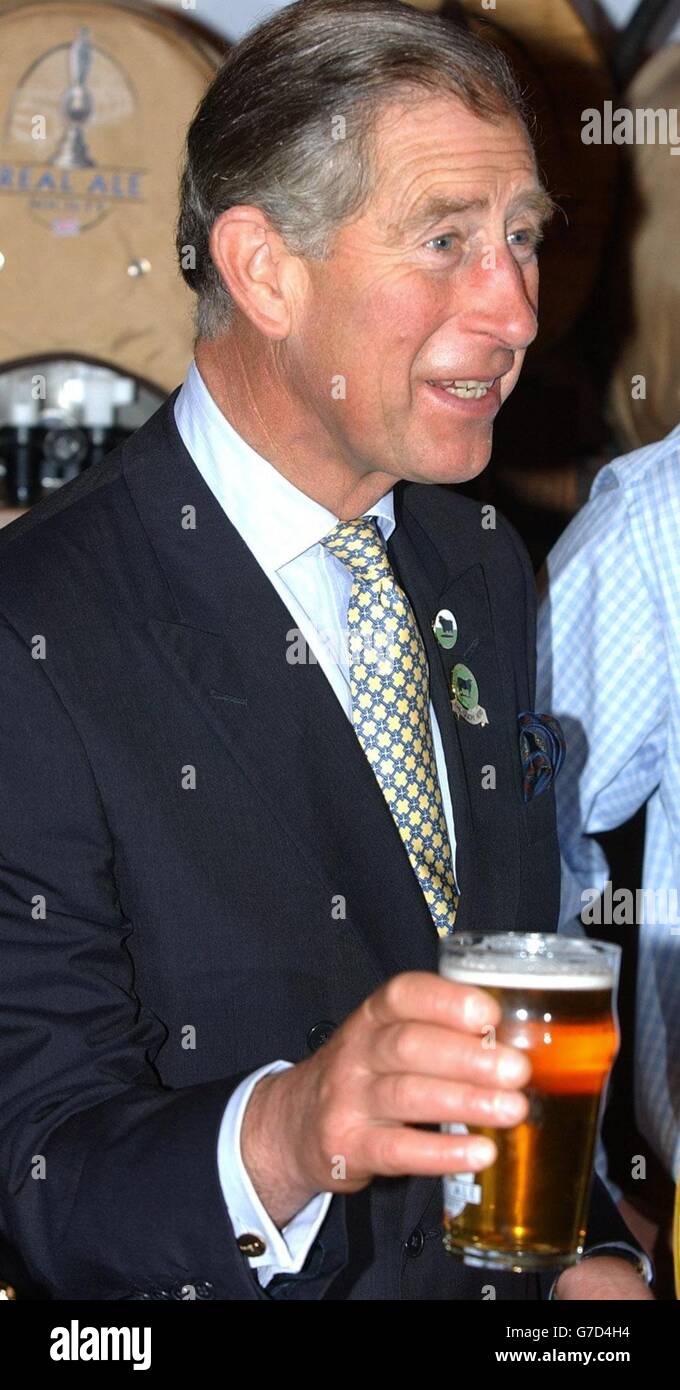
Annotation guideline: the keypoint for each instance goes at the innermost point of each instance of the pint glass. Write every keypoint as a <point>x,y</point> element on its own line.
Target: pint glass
<point>557,996</point>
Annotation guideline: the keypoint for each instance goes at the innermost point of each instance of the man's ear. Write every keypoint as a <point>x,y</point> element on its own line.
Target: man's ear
<point>262,276</point>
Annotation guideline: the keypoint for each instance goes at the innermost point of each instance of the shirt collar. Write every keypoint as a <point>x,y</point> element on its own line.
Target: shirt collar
<point>277,521</point>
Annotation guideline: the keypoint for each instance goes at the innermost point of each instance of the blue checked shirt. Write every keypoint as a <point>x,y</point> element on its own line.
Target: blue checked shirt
<point>609,668</point>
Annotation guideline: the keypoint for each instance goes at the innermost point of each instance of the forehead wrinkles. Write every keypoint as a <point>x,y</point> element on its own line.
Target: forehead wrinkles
<point>479,173</point>
<point>431,141</point>
<point>434,141</point>
<point>484,170</point>
<point>399,215</point>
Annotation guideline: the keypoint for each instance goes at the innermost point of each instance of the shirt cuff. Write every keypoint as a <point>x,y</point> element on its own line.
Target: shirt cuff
<point>285,1250</point>
<point>630,1253</point>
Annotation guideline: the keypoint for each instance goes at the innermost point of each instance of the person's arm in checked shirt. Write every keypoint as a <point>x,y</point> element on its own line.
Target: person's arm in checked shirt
<point>602,670</point>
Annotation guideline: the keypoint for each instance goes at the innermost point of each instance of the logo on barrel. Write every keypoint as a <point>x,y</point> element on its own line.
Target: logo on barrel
<point>64,109</point>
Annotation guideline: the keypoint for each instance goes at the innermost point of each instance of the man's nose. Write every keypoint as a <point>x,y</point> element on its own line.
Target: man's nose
<point>501,299</point>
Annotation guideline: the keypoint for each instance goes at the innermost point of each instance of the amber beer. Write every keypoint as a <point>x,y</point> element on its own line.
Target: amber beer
<point>557,995</point>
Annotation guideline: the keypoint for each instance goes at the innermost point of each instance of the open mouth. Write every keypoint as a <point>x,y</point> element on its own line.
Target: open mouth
<point>467,390</point>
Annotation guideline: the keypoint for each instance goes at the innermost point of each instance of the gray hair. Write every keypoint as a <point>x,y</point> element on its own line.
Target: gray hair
<point>286,124</point>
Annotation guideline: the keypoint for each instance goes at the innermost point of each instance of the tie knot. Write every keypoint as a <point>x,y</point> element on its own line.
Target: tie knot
<point>358,544</point>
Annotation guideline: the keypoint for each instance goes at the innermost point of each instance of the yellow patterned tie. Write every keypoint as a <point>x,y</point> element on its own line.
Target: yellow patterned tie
<point>389,681</point>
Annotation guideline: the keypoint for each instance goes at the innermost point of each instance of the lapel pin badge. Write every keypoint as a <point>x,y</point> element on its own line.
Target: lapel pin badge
<point>465,696</point>
<point>445,629</point>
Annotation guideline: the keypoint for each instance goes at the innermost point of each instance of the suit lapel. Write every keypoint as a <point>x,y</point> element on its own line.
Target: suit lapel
<point>479,759</point>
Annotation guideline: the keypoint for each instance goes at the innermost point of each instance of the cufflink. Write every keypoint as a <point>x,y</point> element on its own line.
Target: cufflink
<point>251,1245</point>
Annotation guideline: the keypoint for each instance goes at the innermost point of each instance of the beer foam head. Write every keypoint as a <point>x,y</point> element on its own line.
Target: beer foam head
<point>537,975</point>
<point>529,960</point>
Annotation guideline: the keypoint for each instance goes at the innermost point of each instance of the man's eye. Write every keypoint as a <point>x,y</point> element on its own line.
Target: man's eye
<point>445,237</point>
<point>526,239</point>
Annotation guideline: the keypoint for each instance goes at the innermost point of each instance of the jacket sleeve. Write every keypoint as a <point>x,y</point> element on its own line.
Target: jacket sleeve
<point>109,1186</point>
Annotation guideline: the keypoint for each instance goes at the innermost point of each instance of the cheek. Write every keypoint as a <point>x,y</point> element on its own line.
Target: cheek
<point>509,382</point>
<point>531,282</point>
<point>391,315</point>
<point>369,328</point>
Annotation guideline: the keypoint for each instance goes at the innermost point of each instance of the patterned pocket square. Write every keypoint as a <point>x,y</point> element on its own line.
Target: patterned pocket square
<point>542,747</point>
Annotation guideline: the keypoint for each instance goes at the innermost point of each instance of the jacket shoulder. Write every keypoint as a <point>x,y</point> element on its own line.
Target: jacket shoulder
<point>79,502</point>
<point>85,533</point>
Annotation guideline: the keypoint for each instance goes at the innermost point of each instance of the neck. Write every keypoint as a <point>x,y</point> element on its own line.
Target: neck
<point>250,385</point>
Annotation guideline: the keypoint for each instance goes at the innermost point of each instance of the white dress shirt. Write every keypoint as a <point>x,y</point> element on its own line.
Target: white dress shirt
<point>283,529</point>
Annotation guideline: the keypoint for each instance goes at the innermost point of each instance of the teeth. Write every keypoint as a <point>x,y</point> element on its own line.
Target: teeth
<point>465,390</point>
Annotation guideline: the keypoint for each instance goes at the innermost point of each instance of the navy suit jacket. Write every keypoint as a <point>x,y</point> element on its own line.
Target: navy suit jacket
<point>135,908</point>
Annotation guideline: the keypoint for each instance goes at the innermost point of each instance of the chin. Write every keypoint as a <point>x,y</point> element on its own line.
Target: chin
<point>459,468</point>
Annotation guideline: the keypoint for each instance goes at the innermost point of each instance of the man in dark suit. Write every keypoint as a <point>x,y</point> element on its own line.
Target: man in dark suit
<point>226,1050</point>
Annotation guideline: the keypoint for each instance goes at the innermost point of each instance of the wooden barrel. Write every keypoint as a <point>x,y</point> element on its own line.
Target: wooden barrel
<point>97,97</point>
<point>645,389</point>
<point>563,70</point>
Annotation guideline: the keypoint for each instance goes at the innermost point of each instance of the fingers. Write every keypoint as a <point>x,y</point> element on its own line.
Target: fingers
<point>427,1100</point>
<point>425,997</point>
<point>399,1151</point>
<point>414,1054</point>
<point>435,1051</point>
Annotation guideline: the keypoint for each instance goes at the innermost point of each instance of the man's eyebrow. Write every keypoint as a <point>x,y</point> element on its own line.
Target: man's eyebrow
<point>536,200</point>
<point>438,208</point>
